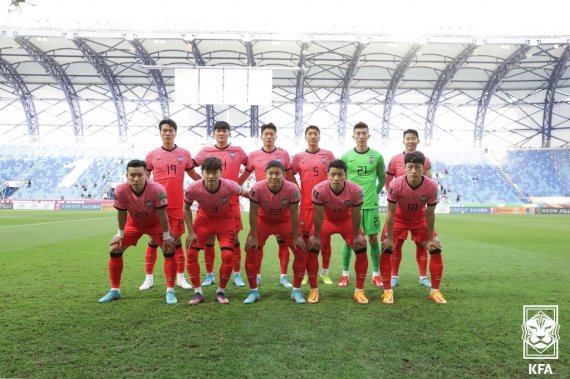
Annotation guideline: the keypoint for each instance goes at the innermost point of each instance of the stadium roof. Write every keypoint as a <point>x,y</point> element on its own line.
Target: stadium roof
<point>478,74</point>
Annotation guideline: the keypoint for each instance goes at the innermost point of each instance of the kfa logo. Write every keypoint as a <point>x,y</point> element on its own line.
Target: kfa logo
<point>149,204</point>
<point>232,155</point>
<point>541,332</point>
<point>180,159</point>
<point>371,160</point>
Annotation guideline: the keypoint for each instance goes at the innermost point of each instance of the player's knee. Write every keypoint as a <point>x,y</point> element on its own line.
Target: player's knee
<point>116,251</point>
<point>373,238</point>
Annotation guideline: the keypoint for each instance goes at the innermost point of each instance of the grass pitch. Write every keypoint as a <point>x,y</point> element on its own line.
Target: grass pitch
<point>54,269</point>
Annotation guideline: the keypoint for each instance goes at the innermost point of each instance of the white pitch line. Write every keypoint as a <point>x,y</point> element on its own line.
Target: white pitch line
<point>55,222</point>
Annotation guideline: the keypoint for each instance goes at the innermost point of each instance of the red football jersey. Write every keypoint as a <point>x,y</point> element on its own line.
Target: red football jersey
<point>412,202</point>
<point>141,208</point>
<point>312,169</point>
<point>168,168</point>
<point>397,167</point>
<point>212,204</point>
<point>338,206</point>
<point>258,159</point>
<point>274,206</point>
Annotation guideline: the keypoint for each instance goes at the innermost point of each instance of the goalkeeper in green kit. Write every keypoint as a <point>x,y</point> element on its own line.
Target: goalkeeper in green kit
<point>365,168</point>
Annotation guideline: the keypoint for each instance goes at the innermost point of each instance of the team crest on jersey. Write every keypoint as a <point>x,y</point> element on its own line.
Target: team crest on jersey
<point>371,160</point>
<point>346,203</point>
<point>324,160</point>
<point>224,200</point>
<point>423,198</point>
<point>232,155</point>
<point>149,204</point>
<point>284,201</point>
<point>180,159</point>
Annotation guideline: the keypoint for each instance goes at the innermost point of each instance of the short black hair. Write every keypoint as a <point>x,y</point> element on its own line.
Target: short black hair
<point>211,163</point>
<point>221,125</point>
<point>337,163</point>
<point>275,163</point>
<point>411,131</point>
<point>415,157</point>
<point>314,127</point>
<point>269,126</point>
<point>168,122</point>
<point>135,163</point>
<point>360,125</point>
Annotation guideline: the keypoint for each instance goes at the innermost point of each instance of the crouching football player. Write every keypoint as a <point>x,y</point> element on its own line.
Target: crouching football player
<point>214,218</point>
<point>141,207</point>
<point>412,199</point>
<point>337,205</point>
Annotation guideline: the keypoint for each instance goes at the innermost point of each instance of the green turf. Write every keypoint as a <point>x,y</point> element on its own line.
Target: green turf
<point>54,268</point>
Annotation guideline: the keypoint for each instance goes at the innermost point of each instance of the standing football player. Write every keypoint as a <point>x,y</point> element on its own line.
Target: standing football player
<point>311,165</point>
<point>168,164</point>
<point>365,168</point>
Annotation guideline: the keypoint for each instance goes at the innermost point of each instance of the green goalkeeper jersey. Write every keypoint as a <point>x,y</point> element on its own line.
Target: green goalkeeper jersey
<point>367,170</point>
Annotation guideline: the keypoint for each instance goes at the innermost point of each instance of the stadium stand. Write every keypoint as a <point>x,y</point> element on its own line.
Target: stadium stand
<point>474,176</point>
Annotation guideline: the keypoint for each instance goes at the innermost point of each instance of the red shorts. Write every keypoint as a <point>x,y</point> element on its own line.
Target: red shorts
<point>342,227</point>
<point>205,228</point>
<point>236,210</point>
<point>306,219</point>
<point>419,233</point>
<point>282,229</point>
<point>133,234</point>
<point>175,221</point>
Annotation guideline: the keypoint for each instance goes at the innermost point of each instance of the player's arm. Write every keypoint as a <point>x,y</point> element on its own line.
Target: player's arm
<point>315,239</point>
<point>193,174</point>
<point>252,239</point>
<point>388,179</point>
<point>169,242</point>
<point>121,221</point>
<point>359,242</point>
<point>431,244</point>
<point>297,240</point>
<point>191,237</point>
<point>243,177</point>
<point>291,177</point>
<point>388,242</point>
<point>356,220</point>
<point>380,175</point>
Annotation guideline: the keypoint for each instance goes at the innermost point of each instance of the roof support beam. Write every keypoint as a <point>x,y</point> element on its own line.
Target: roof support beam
<point>442,81</point>
<point>156,76</point>
<point>254,109</point>
<point>393,87</point>
<point>112,82</point>
<point>199,61</point>
<point>551,95</point>
<point>300,90</point>
<point>57,73</point>
<point>345,94</point>
<point>490,88</point>
<point>26,98</point>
